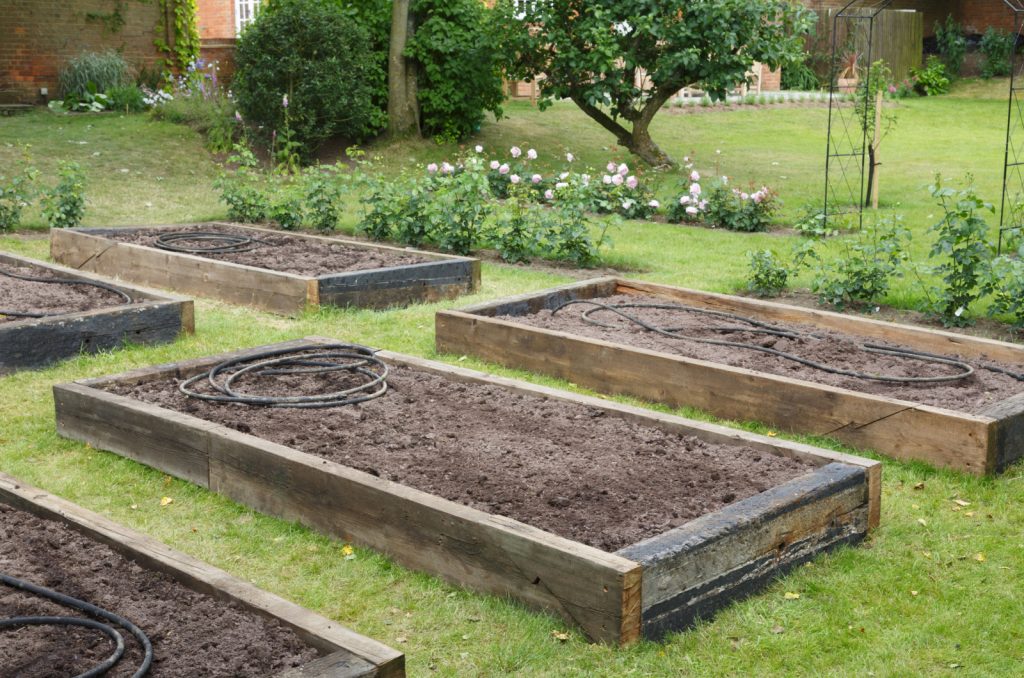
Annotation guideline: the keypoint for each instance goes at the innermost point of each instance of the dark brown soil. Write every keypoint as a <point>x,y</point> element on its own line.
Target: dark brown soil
<point>192,634</point>
<point>565,468</point>
<point>50,298</point>
<point>283,252</point>
<point>972,394</point>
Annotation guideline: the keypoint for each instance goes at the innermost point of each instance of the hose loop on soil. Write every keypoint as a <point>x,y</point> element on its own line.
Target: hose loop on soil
<point>59,281</point>
<point>964,370</point>
<point>88,608</point>
<point>351,360</point>
<point>221,243</point>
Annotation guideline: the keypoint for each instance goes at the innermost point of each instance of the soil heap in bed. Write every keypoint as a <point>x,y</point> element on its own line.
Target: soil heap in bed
<point>24,296</point>
<point>192,634</point>
<point>566,468</point>
<point>836,349</point>
<point>281,251</point>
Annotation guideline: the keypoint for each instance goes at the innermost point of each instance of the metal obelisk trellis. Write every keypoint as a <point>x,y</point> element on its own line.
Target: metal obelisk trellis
<point>848,127</point>
<point>1011,213</point>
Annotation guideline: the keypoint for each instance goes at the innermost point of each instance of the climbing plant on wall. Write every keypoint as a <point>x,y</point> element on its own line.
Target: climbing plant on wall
<point>183,49</point>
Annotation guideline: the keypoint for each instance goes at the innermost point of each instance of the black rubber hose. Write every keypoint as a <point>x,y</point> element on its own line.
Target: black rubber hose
<point>965,369</point>
<point>59,281</point>
<point>319,359</point>
<point>228,242</point>
<point>98,670</point>
<point>88,608</point>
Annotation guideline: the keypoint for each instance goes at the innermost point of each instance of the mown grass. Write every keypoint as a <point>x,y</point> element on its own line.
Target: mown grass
<point>856,614</point>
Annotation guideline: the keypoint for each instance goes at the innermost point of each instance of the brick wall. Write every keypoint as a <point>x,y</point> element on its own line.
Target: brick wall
<point>38,36</point>
<point>216,19</point>
<point>977,15</point>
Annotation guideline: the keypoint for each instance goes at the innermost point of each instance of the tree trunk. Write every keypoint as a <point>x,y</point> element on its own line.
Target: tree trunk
<point>642,145</point>
<point>638,140</point>
<point>403,109</point>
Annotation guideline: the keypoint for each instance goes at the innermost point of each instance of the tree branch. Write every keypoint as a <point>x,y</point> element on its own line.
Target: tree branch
<point>603,119</point>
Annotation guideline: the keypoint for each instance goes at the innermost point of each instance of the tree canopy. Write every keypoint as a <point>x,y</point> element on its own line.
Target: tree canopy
<point>621,60</point>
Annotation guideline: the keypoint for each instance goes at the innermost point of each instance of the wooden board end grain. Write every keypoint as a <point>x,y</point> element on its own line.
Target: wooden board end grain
<point>352,654</point>
<point>898,428</point>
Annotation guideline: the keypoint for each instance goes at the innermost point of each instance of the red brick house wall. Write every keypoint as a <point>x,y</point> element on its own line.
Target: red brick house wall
<point>37,37</point>
<point>216,19</point>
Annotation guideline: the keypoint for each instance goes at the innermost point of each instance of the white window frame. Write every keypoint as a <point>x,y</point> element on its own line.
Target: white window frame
<point>245,12</point>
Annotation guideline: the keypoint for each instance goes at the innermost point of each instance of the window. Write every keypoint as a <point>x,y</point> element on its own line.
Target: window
<point>245,12</point>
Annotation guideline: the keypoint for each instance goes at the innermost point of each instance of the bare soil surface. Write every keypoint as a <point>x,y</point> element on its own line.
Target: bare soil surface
<point>50,298</point>
<point>565,468</point>
<point>282,251</point>
<point>192,634</point>
<point>835,349</point>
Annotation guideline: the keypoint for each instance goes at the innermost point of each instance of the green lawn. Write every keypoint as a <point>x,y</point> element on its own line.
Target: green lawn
<point>857,613</point>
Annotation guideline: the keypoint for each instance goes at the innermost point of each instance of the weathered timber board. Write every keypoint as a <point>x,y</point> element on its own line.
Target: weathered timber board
<point>37,342</point>
<point>601,592</point>
<point>982,443</point>
<point>444,278</point>
<point>346,653</point>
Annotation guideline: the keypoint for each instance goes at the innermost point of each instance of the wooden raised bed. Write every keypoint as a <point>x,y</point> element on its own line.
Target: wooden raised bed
<point>35,342</point>
<point>649,588</point>
<point>345,654</point>
<point>976,443</point>
<point>445,277</point>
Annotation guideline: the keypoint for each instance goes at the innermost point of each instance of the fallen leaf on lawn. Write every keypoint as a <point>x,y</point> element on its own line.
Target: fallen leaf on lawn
<point>463,358</point>
<point>560,635</point>
<point>135,507</point>
<point>914,593</point>
<point>166,501</point>
<point>791,596</point>
<point>474,619</point>
<point>956,508</point>
<point>926,554</point>
<point>914,506</point>
<point>980,558</point>
<point>772,434</point>
<point>923,522</point>
<point>401,639</point>
<point>347,550</point>
<point>969,514</point>
<point>961,502</point>
<point>778,630</point>
<point>465,636</point>
<point>919,486</point>
<point>463,655</point>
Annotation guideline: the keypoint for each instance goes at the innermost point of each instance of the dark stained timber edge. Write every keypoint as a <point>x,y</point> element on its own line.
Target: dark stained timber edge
<point>346,654</point>
<point>507,557</point>
<point>37,342</point>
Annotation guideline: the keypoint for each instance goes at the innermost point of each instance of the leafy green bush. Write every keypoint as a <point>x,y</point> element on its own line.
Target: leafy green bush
<point>212,116</point>
<point>126,98</point>
<point>866,264</point>
<point>322,198</point>
<point>103,70</point>
<point>64,203</point>
<point>997,47</point>
<point>17,191</point>
<point>459,75</point>
<point>952,45</point>
<point>312,53</point>
<point>738,210</point>
<point>1006,284</point>
<point>243,190</point>
<point>768,276</point>
<point>932,79</point>
<point>800,77</point>
<point>964,251</point>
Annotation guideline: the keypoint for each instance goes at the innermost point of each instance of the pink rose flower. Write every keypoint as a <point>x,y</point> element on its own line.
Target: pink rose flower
<point>632,182</point>
<point>495,164</point>
<point>516,151</point>
<point>531,154</point>
<point>536,178</point>
<point>514,178</point>
<point>432,167</point>
<point>503,169</point>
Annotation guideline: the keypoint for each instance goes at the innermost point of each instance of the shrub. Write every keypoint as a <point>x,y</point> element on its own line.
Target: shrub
<point>952,44</point>
<point>459,75</point>
<point>198,101</point>
<point>997,47</point>
<point>243,190</point>
<point>965,251</point>
<point>127,98</point>
<point>322,194</point>
<point>103,70</point>
<point>1006,284</point>
<point>862,272</point>
<point>737,210</point>
<point>17,191</point>
<point>691,206</point>
<point>798,76</point>
<point>64,203</point>
<point>768,276</point>
<point>313,53</point>
<point>621,192</point>
<point>932,79</point>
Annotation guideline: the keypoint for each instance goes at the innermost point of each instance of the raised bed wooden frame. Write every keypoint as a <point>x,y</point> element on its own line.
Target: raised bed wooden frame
<point>444,277</point>
<point>660,584</point>
<point>976,443</point>
<point>36,342</point>
<point>346,654</point>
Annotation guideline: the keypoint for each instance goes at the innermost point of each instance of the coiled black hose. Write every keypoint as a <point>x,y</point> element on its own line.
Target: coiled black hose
<point>88,608</point>
<point>351,359</point>
<point>59,281</point>
<point>223,243</point>
<point>752,325</point>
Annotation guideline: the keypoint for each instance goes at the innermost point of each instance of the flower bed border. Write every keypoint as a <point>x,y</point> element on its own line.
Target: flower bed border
<point>445,277</point>
<point>37,342</point>
<point>660,584</point>
<point>980,444</point>
<point>345,654</point>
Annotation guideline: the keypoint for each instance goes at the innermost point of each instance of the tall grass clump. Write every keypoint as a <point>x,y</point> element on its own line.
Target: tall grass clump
<point>103,70</point>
